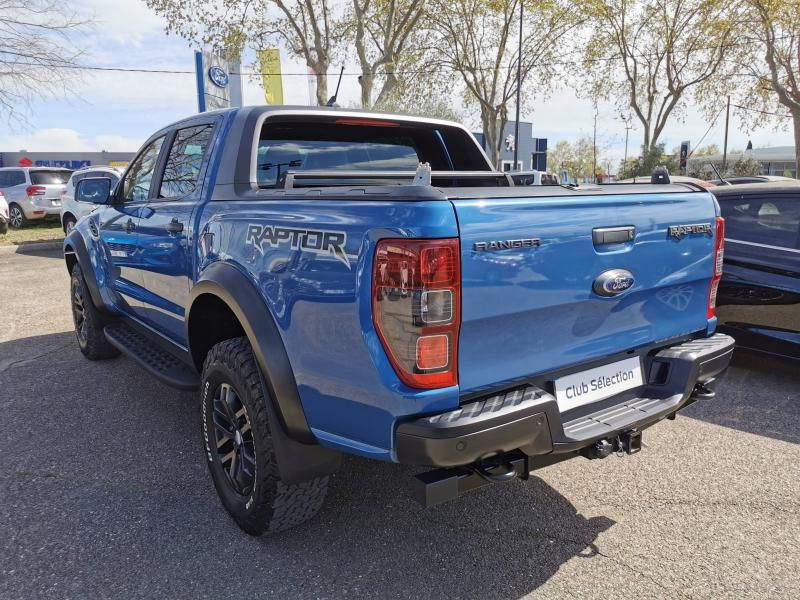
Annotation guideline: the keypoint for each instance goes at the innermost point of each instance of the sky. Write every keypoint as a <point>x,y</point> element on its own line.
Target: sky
<point>116,111</point>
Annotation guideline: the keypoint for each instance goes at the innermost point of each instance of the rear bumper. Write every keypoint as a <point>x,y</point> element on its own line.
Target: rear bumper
<point>528,418</point>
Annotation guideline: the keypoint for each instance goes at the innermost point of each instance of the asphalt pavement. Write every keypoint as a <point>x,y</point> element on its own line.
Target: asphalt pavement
<point>104,494</point>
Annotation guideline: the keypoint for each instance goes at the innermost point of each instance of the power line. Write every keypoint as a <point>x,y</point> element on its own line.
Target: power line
<point>763,112</point>
<point>553,63</point>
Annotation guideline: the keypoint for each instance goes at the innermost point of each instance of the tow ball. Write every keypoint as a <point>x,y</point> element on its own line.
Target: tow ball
<point>627,442</point>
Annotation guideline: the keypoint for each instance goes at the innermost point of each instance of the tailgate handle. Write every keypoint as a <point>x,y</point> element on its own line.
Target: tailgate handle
<point>613,235</point>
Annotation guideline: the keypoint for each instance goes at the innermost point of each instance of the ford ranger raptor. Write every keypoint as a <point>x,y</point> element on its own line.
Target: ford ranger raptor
<point>333,281</point>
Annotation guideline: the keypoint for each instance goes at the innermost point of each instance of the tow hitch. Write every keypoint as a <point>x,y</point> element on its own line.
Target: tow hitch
<point>627,442</point>
<point>440,485</point>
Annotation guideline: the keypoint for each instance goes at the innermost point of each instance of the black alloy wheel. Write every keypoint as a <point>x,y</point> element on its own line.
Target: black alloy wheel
<point>233,435</point>
<point>79,310</point>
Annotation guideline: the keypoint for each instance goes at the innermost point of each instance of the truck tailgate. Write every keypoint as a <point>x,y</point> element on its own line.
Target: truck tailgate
<point>528,305</point>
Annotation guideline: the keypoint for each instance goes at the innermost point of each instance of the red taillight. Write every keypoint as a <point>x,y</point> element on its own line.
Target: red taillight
<point>416,308</point>
<point>719,251</point>
<point>35,190</point>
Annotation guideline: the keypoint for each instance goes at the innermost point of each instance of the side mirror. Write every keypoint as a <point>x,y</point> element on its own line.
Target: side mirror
<point>94,190</point>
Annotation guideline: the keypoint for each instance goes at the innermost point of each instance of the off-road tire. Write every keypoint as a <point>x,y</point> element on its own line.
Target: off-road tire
<point>88,321</point>
<point>271,505</point>
<point>18,217</point>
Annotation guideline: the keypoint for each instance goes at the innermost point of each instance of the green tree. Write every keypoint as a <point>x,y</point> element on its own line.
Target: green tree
<point>652,55</point>
<point>769,81</point>
<point>383,31</point>
<point>651,157</point>
<point>577,159</point>
<point>478,39</point>
<point>309,29</point>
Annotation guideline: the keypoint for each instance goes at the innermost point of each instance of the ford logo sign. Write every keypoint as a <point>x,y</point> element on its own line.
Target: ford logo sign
<point>218,76</point>
<point>613,282</point>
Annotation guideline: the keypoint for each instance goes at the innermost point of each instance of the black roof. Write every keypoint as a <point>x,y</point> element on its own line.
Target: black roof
<point>749,189</point>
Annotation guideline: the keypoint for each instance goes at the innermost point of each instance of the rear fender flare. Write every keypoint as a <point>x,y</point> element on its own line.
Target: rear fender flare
<point>299,456</point>
<point>238,292</point>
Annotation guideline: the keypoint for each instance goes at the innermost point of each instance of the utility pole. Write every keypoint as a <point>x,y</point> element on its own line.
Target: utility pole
<point>519,88</point>
<point>594,147</point>
<point>725,147</point>
<point>628,127</point>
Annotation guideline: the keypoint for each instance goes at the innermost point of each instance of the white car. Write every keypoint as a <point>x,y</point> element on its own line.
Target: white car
<point>3,214</point>
<point>534,178</point>
<point>71,209</point>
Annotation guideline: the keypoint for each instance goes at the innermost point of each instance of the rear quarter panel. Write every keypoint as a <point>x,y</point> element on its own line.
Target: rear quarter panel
<point>321,304</point>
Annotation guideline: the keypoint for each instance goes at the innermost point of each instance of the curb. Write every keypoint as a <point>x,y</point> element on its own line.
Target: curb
<point>30,247</point>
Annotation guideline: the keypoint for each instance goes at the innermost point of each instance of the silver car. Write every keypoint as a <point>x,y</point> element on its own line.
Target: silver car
<point>32,193</point>
<point>71,209</point>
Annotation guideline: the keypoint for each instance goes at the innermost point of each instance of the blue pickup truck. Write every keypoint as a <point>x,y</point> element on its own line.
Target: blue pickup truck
<point>335,281</point>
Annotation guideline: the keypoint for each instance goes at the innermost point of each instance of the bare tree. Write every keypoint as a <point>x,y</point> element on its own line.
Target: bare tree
<point>382,30</point>
<point>308,28</point>
<point>479,40</point>
<point>39,55</point>
<point>651,54</point>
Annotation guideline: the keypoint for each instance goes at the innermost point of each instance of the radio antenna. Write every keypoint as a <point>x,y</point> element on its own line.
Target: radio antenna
<point>332,99</point>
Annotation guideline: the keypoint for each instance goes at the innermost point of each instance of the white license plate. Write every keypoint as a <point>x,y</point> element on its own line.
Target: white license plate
<point>598,383</point>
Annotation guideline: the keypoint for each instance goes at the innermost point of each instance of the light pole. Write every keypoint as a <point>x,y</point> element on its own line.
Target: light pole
<point>628,127</point>
<point>519,87</point>
<point>594,147</point>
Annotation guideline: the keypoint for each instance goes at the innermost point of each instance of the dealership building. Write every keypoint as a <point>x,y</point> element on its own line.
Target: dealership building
<point>532,151</point>
<point>779,160</point>
<point>69,160</point>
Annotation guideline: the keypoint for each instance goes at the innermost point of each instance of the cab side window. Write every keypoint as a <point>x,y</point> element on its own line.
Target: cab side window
<point>182,169</point>
<point>773,221</point>
<point>136,187</point>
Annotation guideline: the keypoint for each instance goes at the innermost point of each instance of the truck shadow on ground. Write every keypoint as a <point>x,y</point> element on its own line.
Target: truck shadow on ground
<point>103,472</point>
<point>774,414</point>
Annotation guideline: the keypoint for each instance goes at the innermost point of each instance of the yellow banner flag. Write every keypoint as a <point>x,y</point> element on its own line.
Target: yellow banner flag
<point>270,60</point>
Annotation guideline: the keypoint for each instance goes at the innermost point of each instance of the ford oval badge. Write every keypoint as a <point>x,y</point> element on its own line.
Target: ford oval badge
<point>613,282</point>
<point>218,76</point>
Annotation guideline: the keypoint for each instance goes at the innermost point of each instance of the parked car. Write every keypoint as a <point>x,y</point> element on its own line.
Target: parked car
<point>674,179</point>
<point>71,209</point>
<point>742,179</point>
<point>3,214</point>
<point>759,297</point>
<point>534,178</point>
<point>32,193</point>
<point>334,281</point>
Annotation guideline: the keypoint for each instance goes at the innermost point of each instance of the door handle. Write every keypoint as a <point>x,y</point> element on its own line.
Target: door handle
<point>175,226</point>
<point>129,225</point>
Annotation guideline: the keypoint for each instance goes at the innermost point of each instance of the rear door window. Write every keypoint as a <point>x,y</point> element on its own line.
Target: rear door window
<point>11,178</point>
<point>50,177</point>
<point>770,220</point>
<point>185,160</point>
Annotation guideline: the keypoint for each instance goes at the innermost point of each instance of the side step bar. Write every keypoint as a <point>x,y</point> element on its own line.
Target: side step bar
<point>155,359</point>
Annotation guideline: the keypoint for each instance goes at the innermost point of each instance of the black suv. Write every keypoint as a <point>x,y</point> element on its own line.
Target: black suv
<point>759,298</point>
